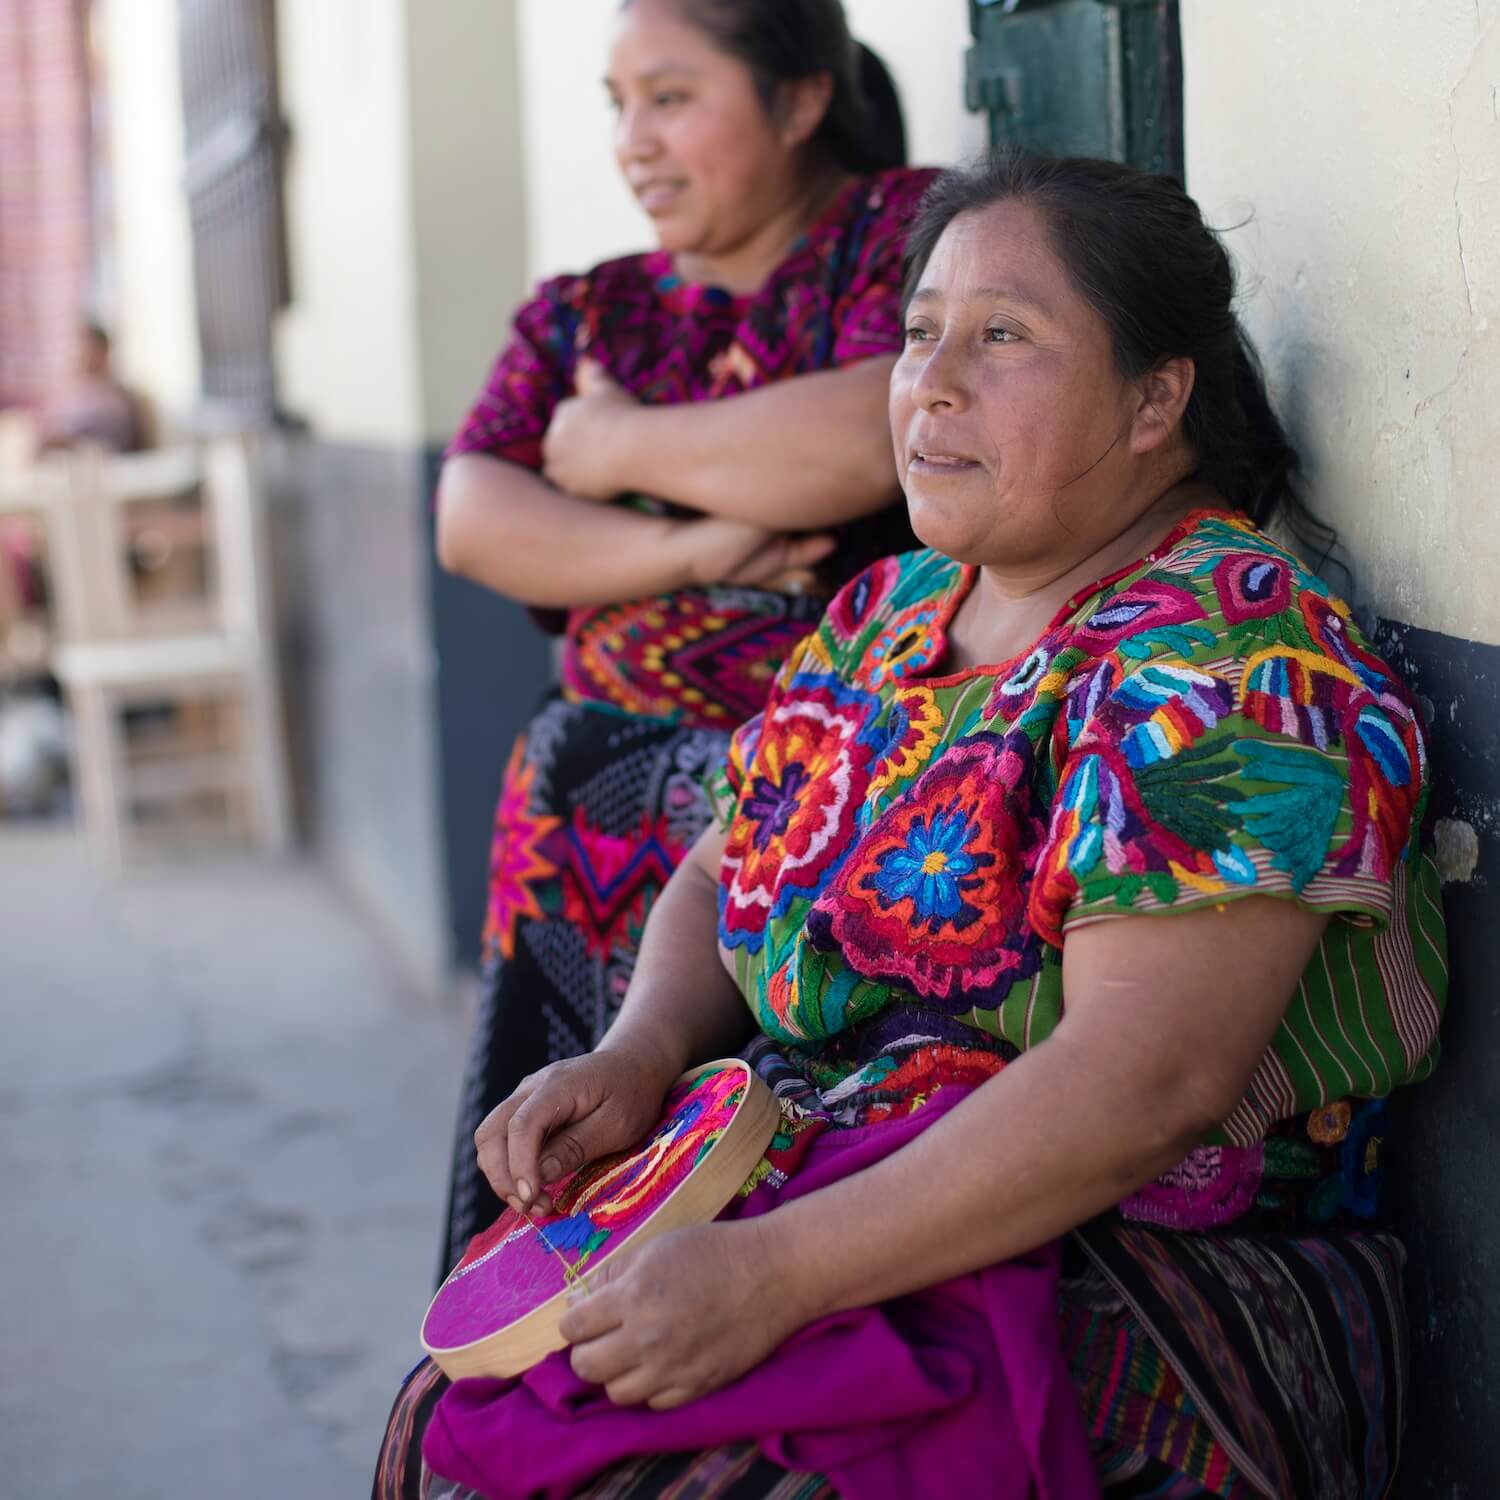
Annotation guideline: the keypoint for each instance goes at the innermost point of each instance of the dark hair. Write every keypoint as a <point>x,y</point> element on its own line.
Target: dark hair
<point>780,41</point>
<point>1135,245</point>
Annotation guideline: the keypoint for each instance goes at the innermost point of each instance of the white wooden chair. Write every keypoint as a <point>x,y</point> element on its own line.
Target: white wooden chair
<point>175,698</point>
<point>33,498</point>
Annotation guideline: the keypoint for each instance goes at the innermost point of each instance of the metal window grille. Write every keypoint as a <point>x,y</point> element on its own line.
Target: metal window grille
<point>234,139</point>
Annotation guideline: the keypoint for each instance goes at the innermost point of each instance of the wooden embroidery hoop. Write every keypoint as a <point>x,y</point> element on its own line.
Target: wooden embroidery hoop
<point>699,1198</point>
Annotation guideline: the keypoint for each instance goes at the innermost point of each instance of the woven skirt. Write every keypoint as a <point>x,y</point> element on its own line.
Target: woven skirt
<point>597,808</point>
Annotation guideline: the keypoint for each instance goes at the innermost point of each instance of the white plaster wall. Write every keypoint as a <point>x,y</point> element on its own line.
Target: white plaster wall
<point>347,351</point>
<point>468,199</point>
<point>578,211</point>
<point>1365,140</point>
<point>155,327</point>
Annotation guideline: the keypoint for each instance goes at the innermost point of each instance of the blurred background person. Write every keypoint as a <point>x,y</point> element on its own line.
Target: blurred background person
<point>94,407</point>
<point>768,150</point>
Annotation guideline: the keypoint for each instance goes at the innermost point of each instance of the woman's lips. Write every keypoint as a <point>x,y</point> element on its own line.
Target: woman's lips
<point>658,197</point>
<point>941,465</point>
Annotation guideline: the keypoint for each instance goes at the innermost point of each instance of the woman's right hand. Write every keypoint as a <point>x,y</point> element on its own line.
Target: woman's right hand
<point>742,554</point>
<point>565,1116</point>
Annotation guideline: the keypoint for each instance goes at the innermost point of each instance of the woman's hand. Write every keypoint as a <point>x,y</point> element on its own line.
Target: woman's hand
<point>567,1115</point>
<point>681,1317</point>
<point>581,451</point>
<point>744,555</point>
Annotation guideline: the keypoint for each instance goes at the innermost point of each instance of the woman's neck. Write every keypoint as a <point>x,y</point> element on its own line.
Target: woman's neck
<point>745,267</point>
<point>1008,609</point>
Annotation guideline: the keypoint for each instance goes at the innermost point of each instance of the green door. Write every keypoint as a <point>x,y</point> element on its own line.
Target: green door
<point>1081,77</point>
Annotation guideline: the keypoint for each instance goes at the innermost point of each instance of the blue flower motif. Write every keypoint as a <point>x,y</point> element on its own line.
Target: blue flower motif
<point>933,869</point>
<point>572,1233</point>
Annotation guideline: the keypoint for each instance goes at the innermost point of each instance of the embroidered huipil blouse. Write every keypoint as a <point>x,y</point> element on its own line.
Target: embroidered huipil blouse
<point>704,656</point>
<point>907,850</point>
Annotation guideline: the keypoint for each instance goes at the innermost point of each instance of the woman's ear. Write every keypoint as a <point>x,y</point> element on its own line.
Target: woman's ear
<point>801,104</point>
<point>1164,394</point>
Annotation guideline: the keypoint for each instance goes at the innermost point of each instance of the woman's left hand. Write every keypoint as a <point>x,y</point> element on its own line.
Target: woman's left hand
<point>685,1315</point>
<point>581,449</point>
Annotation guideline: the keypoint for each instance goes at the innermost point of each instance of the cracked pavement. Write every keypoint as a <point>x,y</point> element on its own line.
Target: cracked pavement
<point>224,1124</point>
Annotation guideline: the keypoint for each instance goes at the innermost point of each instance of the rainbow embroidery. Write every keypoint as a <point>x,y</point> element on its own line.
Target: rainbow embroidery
<point>518,1264</point>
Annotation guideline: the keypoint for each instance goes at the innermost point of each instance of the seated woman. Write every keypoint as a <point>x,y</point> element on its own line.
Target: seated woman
<point>1073,878</point>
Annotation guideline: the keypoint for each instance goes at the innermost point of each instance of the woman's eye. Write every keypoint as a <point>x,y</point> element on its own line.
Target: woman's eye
<point>668,100</point>
<point>917,335</point>
<point>1001,336</point>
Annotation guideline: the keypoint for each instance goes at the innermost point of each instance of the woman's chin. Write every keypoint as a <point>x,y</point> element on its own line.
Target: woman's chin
<point>956,534</point>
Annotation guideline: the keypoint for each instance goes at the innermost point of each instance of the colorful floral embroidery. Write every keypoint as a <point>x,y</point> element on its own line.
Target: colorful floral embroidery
<point>798,805</point>
<point>1329,1125</point>
<point>932,898</point>
<point>1169,707</point>
<point>1204,724</point>
<point>1212,1185</point>
<point>934,869</point>
<point>912,731</point>
<point>516,860</point>
<point>857,603</point>
<point>910,641</point>
<point>1150,610</point>
<point>1251,587</point>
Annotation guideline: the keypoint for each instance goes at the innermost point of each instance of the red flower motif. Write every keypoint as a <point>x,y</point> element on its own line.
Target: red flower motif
<point>855,604</point>
<point>796,814</point>
<point>1148,604</point>
<point>1252,586</point>
<point>961,941</point>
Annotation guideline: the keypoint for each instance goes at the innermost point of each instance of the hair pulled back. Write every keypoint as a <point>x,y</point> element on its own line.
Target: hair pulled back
<point>1136,247</point>
<point>780,41</point>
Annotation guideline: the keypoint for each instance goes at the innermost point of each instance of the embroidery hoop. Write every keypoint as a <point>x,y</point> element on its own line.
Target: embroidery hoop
<point>519,1342</point>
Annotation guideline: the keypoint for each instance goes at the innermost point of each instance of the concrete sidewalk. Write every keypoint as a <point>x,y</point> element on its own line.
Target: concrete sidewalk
<point>224,1127</point>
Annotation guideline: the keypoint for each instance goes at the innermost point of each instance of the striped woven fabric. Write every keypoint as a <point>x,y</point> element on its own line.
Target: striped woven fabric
<point>1293,1349</point>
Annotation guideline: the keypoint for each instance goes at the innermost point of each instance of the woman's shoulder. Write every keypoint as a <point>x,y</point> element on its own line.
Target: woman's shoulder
<point>899,188</point>
<point>1221,587</point>
<point>609,277</point>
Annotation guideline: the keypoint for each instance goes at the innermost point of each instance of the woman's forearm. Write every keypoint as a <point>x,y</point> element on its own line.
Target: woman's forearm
<point>1147,1060</point>
<point>504,527</point>
<point>795,455</point>
<point>682,1006</point>
<point>1025,1158</point>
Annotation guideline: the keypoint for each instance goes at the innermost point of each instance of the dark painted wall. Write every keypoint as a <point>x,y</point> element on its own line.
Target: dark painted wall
<point>350,564</point>
<point>1447,1146</point>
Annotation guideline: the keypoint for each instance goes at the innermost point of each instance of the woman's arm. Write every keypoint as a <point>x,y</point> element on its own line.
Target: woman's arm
<point>794,455</point>
<point>503,526</point>
<point>1166,1021</point>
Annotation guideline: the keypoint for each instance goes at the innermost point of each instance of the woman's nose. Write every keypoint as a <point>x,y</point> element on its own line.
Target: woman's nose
<point>635,140</point>
<point>941,381</point>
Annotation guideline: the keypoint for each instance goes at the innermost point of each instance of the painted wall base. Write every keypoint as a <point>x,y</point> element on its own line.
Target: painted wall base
<point>1446,1157</point>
